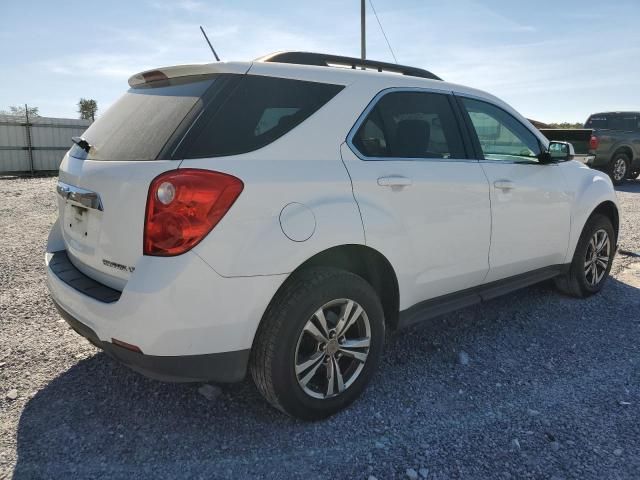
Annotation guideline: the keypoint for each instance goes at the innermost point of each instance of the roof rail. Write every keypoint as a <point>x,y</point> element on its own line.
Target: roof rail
<point>326,60</point>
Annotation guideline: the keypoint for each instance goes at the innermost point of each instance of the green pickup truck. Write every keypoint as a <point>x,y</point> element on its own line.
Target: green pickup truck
<point>609,142</point>
<point>616,142</point>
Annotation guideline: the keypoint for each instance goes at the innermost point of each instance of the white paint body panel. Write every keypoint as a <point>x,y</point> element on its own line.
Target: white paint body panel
<point>249,240</point>
<point>114,234</point>
<point>587,188</point>
<point>436,233</point>
<point>530,221</point>
<point>173,306</point>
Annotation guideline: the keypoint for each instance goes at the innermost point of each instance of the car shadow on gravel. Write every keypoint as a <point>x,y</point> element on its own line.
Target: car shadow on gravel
<point>630,186</point>
<point>526,349</point>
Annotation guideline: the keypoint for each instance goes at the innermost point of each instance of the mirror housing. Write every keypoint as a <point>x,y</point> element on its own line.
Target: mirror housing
<point>557,152</point>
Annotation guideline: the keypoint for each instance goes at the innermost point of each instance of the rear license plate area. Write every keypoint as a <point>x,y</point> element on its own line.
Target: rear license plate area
<point>79,226</point>
<point>77,219</point>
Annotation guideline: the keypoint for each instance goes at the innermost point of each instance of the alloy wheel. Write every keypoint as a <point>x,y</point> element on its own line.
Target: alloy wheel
<point>619,169</point>
<point>597,257</point>
<point>332,348</point>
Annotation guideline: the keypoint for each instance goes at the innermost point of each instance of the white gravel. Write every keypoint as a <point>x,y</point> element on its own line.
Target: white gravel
<point>561,376</point>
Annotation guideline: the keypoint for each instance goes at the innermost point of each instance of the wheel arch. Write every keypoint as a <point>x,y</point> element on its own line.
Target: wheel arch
<point>604,207</point>
<point>609,210</point>
<point>594,193</point>
<point>626,149</point>
<point>365,262</point>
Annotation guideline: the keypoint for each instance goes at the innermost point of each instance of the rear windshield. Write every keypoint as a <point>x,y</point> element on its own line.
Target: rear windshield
<point>222,115</point>
<point>140,123</point>
<point>629,122</point>
<point>597,122</point>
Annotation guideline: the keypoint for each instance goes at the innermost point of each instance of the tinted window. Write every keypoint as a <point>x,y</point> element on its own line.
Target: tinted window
<point>597,122</point>
<point>253,114</point>
<point>410,125</point>
<point>623,121</point>
<point>501,136</point>
<point>141,122</point>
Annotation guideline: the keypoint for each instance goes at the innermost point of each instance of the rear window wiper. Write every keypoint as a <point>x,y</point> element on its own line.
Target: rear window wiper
<point>82,143</point>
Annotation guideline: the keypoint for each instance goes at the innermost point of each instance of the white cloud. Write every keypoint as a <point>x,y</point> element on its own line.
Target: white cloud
<point>178,5</point>
<point>547,73</point>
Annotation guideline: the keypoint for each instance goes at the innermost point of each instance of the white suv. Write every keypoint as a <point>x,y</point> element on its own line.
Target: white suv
<point>278,216</point>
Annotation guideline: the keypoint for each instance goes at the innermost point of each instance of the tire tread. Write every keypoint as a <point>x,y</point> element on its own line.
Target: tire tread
<point>301,284</point>
<point>569,283</point>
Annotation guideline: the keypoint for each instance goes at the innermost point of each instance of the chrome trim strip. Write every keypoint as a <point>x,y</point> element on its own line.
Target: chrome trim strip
<point>373,103</point>
<point>86,198</point>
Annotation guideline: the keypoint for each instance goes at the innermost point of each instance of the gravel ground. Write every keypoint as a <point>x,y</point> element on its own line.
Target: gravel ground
<point>531,385</point>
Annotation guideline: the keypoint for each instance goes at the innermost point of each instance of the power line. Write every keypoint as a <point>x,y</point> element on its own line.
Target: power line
<point>382,30</point>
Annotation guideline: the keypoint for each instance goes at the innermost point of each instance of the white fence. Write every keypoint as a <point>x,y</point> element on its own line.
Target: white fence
<point>38,145</point>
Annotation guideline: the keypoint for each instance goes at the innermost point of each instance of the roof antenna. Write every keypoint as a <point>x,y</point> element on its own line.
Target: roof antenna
<point>210,46</point>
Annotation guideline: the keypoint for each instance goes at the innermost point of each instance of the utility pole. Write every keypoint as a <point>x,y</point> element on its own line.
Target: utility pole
<point>27,125</point>
<point>363,27</point>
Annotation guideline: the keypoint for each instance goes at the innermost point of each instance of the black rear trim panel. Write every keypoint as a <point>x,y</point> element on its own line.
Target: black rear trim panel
<point>224,367</point>
<point>69,274</point>
<point>471,296</point>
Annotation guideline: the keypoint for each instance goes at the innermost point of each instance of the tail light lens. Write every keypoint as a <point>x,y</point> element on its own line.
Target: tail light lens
<point>183,206</point>
<point>594,142</point>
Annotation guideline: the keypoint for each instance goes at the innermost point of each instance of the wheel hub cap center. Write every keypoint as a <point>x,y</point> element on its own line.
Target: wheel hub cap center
<point>332,347</point>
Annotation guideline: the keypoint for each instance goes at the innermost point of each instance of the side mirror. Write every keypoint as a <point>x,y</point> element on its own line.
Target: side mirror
<point>557,151</point>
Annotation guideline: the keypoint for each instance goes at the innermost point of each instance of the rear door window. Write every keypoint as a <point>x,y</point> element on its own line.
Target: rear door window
<point>256,112</point>
<point>624,122</point>
<point>616,122</point>
<point>408,124</point>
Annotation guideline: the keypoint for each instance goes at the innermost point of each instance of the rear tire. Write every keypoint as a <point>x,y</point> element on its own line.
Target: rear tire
<point>582,280</point>
<point>619,168</point>
<point>308,364</point>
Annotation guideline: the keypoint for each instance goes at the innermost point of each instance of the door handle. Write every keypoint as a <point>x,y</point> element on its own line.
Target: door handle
<point>503,184</point>
<point>394,181</point>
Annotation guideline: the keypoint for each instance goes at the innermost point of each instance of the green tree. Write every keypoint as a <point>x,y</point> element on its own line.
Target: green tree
<point>566,125</point>
<point>20,111</point>
<point>87,108</point>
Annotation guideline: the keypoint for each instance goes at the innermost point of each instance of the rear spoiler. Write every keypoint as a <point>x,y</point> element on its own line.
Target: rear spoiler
<point>165,73</point>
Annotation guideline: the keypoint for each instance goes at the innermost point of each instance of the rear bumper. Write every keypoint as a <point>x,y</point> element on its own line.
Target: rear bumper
<point>586,159</point>
<point>190,323</point>
<point>215,367</point>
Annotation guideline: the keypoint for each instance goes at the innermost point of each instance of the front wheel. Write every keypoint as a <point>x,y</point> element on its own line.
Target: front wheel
<point>319,343</point>
<point>592,259</point>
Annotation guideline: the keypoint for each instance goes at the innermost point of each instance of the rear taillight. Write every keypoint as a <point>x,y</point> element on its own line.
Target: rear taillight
<point>594,142</point>
<point>183,206</point>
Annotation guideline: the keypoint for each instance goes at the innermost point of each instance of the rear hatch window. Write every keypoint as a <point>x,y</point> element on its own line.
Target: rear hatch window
<point>199,117</point>
<point>139,124</point>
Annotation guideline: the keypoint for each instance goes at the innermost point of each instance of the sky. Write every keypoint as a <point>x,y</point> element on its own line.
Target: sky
<point>553,61</point>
